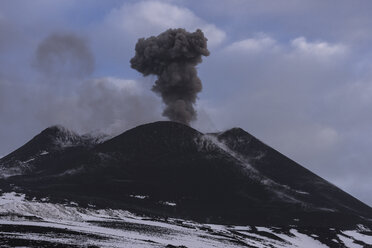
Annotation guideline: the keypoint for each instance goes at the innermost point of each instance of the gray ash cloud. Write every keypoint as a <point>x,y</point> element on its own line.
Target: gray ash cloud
<point>172,56</point>
<point>64,55</point>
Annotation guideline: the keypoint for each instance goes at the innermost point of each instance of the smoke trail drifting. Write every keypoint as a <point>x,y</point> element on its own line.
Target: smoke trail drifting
<point>172,56</point>
<point>65,56</point>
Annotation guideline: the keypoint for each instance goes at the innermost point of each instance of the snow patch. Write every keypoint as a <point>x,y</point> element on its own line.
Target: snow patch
<point>27,161</point>
<point>172,204</point>
<point>211,139</point>
<point>363,228</point>
<point>263,229</point>
<point>327,209</point>
<point>44,153</point>
<point>10,172</point>
<point>10,197</point>
<point>359,236</point>
<point>348,242</point>
<point>302,192</point>
<point>142,197</point>
<point>302,240</point>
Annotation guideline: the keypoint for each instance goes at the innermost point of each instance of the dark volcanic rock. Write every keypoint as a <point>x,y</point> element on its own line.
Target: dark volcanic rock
<point>167,168</point>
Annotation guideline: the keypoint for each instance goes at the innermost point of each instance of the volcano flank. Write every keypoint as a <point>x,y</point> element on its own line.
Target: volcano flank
<point>227,177</point>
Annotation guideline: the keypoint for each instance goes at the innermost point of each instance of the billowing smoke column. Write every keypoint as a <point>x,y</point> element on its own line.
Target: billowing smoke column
<point>172,56</point>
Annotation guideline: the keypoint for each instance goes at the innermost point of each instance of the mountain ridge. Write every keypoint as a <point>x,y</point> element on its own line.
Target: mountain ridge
<point>225,177</point>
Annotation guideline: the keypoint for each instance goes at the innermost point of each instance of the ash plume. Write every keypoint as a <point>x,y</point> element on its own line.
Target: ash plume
<point>64,55</point>
<point>172,57</point>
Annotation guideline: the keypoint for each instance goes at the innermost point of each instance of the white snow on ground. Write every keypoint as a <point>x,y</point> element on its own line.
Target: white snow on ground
<point>298,239</point>
<point>359,236</point>
<point>304,241</point>
<point>362,228</point>
<point>9,172</point>
<point>120,228</point>
<point>302,192</point>
<point>209,140</point>
<point>21,168</point>
<point>349,242</point>
<point>263,229</point>
<point>142,197</point>
<point>29,160</point>
<point>10,198</point>
<point>167,203</point>
<point>44,153</point>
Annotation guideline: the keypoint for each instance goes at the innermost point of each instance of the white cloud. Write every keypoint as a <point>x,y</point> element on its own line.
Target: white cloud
<point>153,17</point>
<point>296,48</point>
<point>253,45</point>
<point>321,49</point>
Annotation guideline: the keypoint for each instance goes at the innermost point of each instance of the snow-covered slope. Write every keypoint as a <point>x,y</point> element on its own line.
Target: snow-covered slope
<point>44,224</point>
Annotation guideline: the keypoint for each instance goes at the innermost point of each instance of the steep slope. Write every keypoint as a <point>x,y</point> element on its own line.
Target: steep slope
<point>53,139</point>
<point>274,165</point>
<point>167,168</point>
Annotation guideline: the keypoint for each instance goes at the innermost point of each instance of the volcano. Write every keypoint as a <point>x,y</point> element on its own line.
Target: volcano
<point>170,170</point>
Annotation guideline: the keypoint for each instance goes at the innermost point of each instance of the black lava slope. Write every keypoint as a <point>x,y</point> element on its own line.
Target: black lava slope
<point>169,169</point>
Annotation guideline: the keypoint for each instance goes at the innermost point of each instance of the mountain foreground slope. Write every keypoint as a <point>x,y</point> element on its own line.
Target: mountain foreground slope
<point>169,170</point>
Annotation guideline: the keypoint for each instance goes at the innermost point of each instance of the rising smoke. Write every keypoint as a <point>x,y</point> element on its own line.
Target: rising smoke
<point>172,57</point>
<point>64,56</point>
<point>110,105</point>
<point>106,104</point>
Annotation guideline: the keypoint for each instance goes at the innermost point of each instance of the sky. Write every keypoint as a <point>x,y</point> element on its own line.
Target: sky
<point>297,74</point>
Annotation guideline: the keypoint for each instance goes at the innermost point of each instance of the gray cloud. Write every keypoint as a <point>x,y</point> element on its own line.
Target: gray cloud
<point>64,56</point>
<point>109,105</point>
<point>102,105</point>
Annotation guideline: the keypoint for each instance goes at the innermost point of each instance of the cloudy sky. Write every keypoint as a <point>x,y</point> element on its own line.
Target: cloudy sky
<point>296,74</point>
